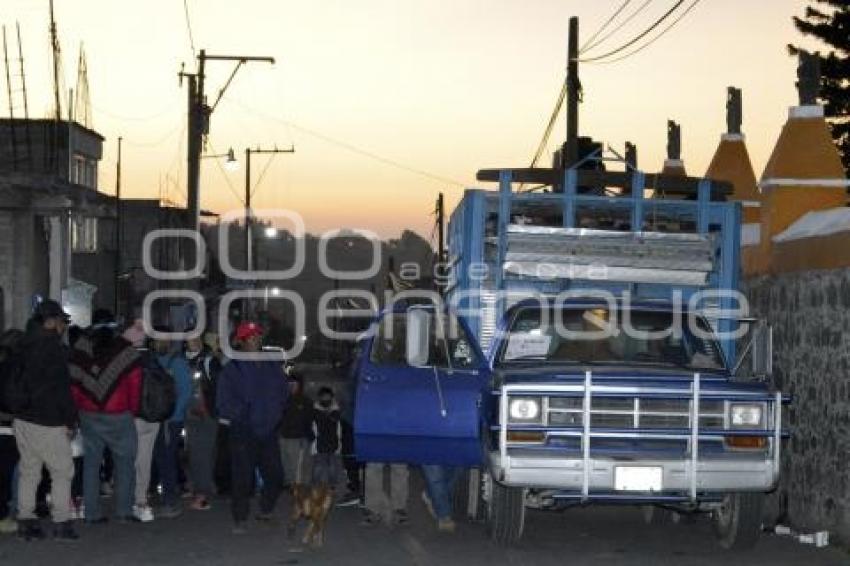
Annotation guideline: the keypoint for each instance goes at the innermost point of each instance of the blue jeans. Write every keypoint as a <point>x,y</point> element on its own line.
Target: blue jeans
<point>119,434</point>
<point>440,482</point>
<point>166,458</point>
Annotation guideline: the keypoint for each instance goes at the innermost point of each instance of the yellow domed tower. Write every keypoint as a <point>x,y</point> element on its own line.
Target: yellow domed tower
<point>731,163</point>
<point>804,172</point>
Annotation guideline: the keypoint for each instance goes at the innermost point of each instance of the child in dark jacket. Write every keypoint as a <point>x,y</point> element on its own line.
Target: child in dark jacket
<point>327,431</point>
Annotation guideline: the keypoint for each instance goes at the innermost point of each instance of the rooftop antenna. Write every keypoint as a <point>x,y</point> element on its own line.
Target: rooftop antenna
<point>54,42</point>
<point>82,101</point>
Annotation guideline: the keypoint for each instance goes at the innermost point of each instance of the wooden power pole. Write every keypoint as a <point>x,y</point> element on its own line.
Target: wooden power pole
<point>573,96</point>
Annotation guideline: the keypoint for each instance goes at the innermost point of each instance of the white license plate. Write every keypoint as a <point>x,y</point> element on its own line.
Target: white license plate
<point>637,478</point>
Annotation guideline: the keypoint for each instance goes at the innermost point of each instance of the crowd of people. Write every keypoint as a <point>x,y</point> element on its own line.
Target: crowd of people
<point>79,422</point>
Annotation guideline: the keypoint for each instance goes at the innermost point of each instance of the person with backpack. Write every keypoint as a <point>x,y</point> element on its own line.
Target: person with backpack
<point>167,448</point>
<point>45,418</point>
<point>201,422</point>
<point>251,396</point>
<point>106,375</point>
<point>146,431</point>
<point>10,346</point>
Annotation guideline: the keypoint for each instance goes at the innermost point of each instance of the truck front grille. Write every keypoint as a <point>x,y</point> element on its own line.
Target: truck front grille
<point>633,412</point>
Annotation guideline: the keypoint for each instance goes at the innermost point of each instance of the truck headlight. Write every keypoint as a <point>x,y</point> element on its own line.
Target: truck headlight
<point>746,415</point>
<point>524,409</point>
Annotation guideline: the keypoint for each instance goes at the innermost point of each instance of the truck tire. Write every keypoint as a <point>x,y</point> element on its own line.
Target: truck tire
<point>506,514</point>
<point>737,522</point>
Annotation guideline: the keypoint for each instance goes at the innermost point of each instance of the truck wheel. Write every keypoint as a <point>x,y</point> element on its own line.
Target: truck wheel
<point>737,522</point>
<point>466,507</point>
<point>506,514</point>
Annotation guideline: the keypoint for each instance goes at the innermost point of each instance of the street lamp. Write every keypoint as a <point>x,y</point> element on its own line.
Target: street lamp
<point>230,163</point>
<point>271,232</point>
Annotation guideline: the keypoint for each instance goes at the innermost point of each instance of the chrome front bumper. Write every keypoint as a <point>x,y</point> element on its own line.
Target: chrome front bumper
<point>552,472</point>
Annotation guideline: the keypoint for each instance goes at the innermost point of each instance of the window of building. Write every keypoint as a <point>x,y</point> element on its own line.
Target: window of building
<point>84,171</point>
<point>84,234</point>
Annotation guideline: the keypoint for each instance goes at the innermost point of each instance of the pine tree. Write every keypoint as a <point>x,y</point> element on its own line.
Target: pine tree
<point>829,21</point>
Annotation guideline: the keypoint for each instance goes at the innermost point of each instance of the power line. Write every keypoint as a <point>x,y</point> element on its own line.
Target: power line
<point>550,126</point>
<point>654,39</point>
<point>604,25</point>
<point>189,27</point>
<point>638,37</point>
<point>226,177</point>
<point>263,174</point>
<point>354,149</point>
<point>620,26</point>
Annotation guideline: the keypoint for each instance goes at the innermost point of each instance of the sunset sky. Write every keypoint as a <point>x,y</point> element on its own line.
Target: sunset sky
<point>444,87</point>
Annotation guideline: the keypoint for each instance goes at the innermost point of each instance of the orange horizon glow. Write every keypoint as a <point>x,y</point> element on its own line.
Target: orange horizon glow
<point>444,87</point>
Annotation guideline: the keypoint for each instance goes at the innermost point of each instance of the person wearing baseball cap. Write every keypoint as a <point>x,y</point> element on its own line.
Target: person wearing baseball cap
<point>251,396</point>
<point>44,423</point>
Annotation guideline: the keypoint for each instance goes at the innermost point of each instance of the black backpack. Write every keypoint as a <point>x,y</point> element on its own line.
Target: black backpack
<point>14,393</point>
<point>159,393</point>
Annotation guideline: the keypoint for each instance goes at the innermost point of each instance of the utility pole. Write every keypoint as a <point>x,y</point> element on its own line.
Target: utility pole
<point>441,229</point>
<point>54,41</point>
<point>441,243</point>
<point>119,227</point>
<point>249,234</point>
<point>573,96</point>
<point>198,125</point>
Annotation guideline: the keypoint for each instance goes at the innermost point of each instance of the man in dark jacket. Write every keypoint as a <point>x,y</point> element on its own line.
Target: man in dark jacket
<point>251,396</point>
<point>43,426</point>
<point>201,422</point>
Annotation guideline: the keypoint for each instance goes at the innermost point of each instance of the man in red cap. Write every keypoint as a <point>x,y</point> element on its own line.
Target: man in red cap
<point>251,396</point>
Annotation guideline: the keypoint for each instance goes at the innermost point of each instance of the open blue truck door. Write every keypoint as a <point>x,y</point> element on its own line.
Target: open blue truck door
<point>423,414</point>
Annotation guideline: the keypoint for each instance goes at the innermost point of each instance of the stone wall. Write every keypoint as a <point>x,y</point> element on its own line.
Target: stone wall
<point>810,313</point>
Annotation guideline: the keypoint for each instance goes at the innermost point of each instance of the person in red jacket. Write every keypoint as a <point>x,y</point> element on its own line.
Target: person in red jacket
<point>106,377</point>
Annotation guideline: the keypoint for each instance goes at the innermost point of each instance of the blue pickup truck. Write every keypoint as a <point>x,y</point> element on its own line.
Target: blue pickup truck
<point>586,352</point>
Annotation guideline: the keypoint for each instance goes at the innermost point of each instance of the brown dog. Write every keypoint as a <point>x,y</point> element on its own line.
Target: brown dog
<point>314,504</point>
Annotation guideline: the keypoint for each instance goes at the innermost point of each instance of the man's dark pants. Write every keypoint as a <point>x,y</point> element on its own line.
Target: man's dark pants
<point>249,452</point>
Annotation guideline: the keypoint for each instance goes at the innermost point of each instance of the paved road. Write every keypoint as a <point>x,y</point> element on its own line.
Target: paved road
<point>596,536</point>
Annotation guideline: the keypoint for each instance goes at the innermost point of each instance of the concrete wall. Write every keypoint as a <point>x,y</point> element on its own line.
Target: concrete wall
<point>810,312</point>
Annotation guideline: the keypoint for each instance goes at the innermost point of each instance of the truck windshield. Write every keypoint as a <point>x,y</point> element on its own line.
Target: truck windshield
<point>602,337</point>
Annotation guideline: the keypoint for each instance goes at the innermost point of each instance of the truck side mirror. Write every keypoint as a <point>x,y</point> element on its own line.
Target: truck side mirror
<point>762,360</point>
<point>418,348</point>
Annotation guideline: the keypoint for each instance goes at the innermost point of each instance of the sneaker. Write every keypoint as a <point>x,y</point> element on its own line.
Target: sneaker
<point>267,518</point>
<point>170,511</point>
<point>8,526</point>
<point>30,529</point>
<point>400,517</point>
<point>64,532</point>
<point>144,513</point>
<point>239,529</point>
<point>350,499</point>
<point>446,525</point>
<point>200,503</point>
<point>427,501</point>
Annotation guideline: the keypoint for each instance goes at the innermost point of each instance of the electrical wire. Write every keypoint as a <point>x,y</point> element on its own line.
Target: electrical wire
<point>226,177</point>
<point>654,39</point>
<point>620,26</point>
<point>550,126</point>
<point>353,148</point>
<point>263,173</point>
<point>638,37</point>
<point>604,25</point>
<point>189,27</point>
